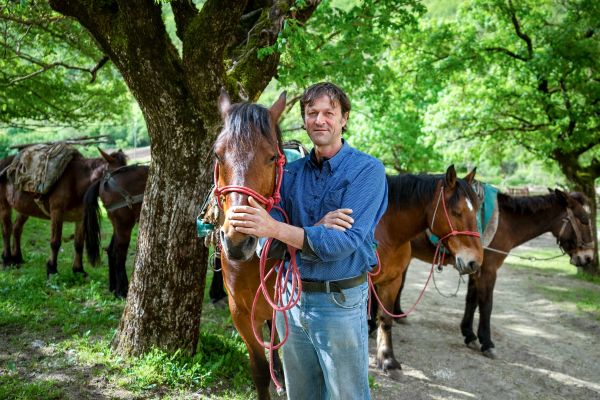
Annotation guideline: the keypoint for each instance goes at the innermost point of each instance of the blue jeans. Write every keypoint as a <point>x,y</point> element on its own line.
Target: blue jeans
<point>326,355</point>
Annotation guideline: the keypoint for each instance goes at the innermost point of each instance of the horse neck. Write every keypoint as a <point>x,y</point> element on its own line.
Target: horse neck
<point>526,225</point>
<point>402,224</point>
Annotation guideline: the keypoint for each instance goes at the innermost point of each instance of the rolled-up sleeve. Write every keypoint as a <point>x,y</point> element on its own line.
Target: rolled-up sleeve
<point>366,195</point>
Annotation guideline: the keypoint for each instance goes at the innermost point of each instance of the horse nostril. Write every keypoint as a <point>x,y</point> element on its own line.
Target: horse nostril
<point>473,266</point>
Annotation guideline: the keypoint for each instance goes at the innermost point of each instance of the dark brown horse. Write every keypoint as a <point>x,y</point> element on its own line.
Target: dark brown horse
<point>415,203</point>
<point>121,191</point>
<point>246,152</point>
<point>520,219</point>
<point>64,202</point>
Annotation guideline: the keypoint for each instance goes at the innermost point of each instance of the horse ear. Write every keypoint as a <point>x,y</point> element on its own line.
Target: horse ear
<point>451,177</point>
<point>471,176</point>
<point>224,103</point>
<point>550,190</point>
<point>277,108</point>
<point>109,159</point>
<point>563,196</point>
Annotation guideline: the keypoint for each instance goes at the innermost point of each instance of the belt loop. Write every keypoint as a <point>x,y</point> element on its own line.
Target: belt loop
<point>327,290</point>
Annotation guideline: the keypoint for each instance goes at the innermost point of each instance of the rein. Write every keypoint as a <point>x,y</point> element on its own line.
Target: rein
<point>281,280</point>
<point>438,258</point>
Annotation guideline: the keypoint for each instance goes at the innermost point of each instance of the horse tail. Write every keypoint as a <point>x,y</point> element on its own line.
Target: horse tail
<point>91,222</point>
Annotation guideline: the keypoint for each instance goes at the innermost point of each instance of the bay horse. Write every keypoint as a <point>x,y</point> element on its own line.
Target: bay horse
<point>122,192</point>
<point>520,220</point>
<point>444,204</point>
<point>64,202</point>
<point>248,153</point>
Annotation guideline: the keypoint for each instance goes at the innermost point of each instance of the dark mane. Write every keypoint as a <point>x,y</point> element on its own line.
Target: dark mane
<point>409,190</point>
<point>244,121</point>
<point>523,205</point>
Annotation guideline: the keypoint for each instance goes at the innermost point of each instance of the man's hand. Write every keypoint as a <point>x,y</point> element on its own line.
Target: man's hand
<point>252,220</point>
<point>339,219</point>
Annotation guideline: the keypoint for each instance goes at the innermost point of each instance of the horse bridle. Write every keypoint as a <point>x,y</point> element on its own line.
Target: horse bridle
<point>128,199</point>
<point>570,218</point>
<point>452,232</point>
<point>268,202</point>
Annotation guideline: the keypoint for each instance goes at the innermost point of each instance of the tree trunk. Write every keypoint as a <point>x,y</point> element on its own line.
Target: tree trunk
<point>589,189</point>
<point>165,297</point>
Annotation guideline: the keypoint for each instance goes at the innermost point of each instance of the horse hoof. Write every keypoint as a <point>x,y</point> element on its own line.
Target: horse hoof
<point>473,345</point>
<point>490,353</point>
<point>388,365</point>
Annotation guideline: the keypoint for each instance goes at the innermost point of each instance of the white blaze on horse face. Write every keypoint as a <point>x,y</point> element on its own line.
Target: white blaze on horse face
<point>469,204</point>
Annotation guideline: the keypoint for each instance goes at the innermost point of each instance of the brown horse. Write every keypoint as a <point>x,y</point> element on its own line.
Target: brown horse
<point>520,219</point>
<point>246,152</point>
<point>121,191</point>
<point>415,203</point>
<point>64,202</point>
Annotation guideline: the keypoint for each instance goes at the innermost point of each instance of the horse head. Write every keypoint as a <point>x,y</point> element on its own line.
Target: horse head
<point>453,218</point>
<point>573,231</point>
<point>107,162</point>
<point>247,160</point>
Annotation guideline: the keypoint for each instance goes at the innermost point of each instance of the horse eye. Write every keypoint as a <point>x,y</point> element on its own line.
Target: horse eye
<point>273,158</point>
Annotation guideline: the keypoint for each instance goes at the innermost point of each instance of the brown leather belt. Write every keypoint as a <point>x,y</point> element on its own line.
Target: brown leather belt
<point>333,286</point>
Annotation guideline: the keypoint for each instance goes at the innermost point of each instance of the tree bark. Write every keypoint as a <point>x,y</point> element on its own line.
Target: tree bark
<point>584,180</point>
<point>178,97</point>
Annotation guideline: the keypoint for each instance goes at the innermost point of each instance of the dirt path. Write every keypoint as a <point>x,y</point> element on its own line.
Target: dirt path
<point>546,350</point>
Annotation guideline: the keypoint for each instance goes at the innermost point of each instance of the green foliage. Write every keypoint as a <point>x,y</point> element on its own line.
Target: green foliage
<point>16,388</point>
<point>45,70</point>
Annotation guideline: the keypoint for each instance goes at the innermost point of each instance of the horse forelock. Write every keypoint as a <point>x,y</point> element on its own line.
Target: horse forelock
<point>245,125</point>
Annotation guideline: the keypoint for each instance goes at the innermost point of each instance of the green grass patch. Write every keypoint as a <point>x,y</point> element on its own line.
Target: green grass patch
<point>65,325</point>
<point>15,388</point>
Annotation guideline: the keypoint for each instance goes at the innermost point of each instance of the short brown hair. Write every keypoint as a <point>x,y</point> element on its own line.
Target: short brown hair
<point>320,89</point>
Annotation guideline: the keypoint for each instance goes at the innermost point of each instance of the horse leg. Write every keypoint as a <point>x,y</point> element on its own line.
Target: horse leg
<point>16,255</point>
<point>485,297</point>
<point>217,291</point>
<point>78,243</point>
<point>385,358</point>
<point>122,237</point>
<point>397,306</point>
<point>110,253</point>
<point>5,215</point>
<point>259,366</point>
<point>466,325</point>
<point>56,223</point>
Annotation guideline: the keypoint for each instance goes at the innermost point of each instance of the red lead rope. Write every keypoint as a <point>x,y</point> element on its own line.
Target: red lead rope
<point>438,259</point>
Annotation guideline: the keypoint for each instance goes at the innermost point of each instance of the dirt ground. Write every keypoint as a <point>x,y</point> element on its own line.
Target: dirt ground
<point>545,350</point>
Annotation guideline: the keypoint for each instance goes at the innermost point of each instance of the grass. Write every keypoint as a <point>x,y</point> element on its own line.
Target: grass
<point>55,337</point>
<point>583,298</point>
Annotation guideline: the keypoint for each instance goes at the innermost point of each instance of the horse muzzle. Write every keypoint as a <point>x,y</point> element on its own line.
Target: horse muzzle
<point>465,267</point>
<point>582,258</point>
<point>240,250</point>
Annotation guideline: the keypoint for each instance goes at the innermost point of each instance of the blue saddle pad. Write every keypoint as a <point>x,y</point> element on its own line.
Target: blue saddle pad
<point>484,212</point>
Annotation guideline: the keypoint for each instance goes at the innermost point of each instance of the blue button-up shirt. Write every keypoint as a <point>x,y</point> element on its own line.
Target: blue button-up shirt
<point>350,179</point>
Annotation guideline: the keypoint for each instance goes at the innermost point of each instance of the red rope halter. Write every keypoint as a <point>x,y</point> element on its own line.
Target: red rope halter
<point>438,258</point>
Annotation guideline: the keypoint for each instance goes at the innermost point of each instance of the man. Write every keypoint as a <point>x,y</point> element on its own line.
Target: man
<point>334,198</point>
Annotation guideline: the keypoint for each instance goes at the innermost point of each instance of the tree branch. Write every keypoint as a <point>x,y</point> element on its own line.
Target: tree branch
<point>518,31</point>
<point>184,12</point>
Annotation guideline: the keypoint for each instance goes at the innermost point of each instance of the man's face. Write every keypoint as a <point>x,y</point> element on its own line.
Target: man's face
<point>323,120</point>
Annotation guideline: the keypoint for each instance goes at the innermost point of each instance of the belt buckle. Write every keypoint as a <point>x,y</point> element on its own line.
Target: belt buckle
<point>327,289</point>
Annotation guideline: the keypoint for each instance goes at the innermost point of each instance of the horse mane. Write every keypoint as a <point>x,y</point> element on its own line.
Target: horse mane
<point>410,190</point>
<point>532,204</point>
<point>243,121</point>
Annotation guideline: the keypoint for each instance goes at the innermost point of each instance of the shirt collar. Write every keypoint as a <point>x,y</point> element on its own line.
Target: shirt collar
<point>332,162</point>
